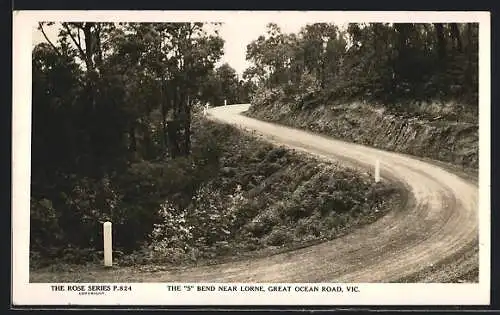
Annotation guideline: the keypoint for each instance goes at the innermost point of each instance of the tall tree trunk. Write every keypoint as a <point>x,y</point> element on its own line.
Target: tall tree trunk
<point>98,48</point>
<point>441,41</point>
<point>187,128</point>
<point>401,70</point>
<point>173,126</point>
<point>187,134</point>
<point>442,77</point>
<point>182,119</point>
<point>469,67</point>
<point>164,100</point>
<point>89,46</point>
<point>173,138</point>
<point>133,139</point>
<point>468,50</point>
<point>403,30</point>
<point>455,32</point>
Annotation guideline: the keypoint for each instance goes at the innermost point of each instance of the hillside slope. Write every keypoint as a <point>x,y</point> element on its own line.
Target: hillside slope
<point>257,199</point>
<point>440,139</point>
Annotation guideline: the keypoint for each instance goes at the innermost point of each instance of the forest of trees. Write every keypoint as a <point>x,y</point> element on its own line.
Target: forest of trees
<point>377,62</point>
<point>113,107</point>
<point>112,115</point>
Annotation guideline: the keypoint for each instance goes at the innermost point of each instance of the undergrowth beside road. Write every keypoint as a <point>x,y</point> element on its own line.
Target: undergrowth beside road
<point>252,198</point>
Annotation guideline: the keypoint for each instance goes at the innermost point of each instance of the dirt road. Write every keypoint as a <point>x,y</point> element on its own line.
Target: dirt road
<point>433,238</point>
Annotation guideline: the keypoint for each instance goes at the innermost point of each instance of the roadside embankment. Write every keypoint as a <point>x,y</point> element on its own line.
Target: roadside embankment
<point>435,138</point>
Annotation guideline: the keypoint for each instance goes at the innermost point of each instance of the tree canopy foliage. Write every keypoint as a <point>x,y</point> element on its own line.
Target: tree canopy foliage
<point>112,114</point>
<point>370,61</point>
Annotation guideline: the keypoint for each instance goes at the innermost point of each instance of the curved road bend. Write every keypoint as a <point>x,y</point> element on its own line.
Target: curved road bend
<point>433,238</point>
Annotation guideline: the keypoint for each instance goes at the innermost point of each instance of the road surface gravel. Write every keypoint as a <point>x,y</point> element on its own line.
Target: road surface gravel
<point>433,238</point>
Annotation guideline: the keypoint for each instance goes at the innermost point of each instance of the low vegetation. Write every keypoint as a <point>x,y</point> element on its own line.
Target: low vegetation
<point>235,196</point>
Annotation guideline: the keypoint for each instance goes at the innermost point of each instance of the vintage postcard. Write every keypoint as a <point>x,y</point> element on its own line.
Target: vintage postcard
<point>251,158</point>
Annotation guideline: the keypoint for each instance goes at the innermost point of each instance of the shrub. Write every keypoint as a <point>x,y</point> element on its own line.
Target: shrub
<point>90,203</point>
<point>208,212</point>
<point>257,228</point>
<point>296,211</point>
<point>203,226</point>
<point>278,237</point>
<point>245,212</point>
<point>274,154</point>
<point>173,231</point>
<point>44,225</point>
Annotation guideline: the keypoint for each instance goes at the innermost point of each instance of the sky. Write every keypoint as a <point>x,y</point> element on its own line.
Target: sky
<point>236,34</point>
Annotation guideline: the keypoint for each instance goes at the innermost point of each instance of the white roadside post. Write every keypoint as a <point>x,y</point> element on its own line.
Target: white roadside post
<point>108,245</point>
<point>225,102</point>
<point>377,171</point>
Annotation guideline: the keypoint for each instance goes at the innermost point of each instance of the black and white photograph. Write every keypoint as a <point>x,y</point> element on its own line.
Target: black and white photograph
<point>249,153</point>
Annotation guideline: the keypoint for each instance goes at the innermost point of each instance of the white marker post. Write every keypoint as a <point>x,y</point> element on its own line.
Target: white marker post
<point>108,245</point>
<point>225,102</point>
<point>377,171</point>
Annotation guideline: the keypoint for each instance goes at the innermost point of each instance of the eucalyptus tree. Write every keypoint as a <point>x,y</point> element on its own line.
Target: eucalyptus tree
<point>384,62</point>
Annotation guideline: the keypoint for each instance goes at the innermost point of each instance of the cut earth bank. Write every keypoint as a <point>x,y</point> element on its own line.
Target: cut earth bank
<point>442,136</point>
